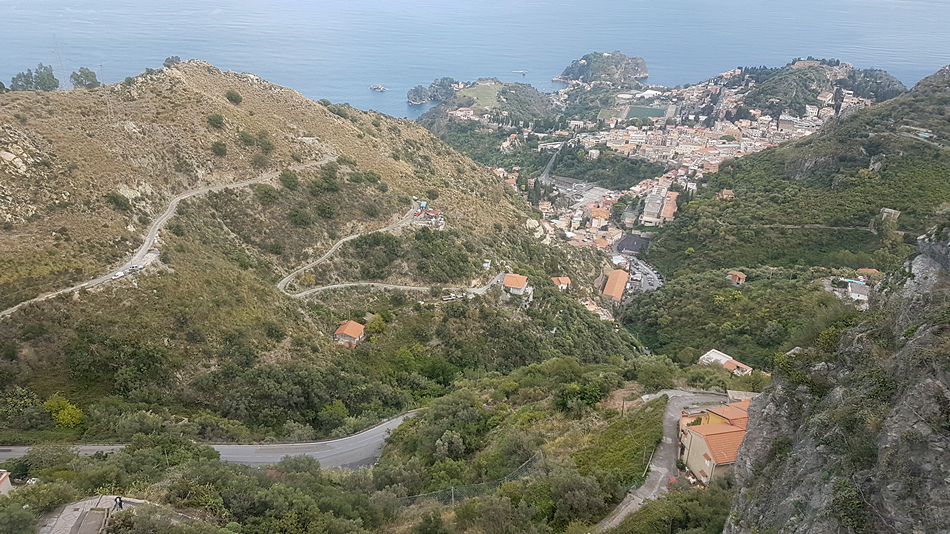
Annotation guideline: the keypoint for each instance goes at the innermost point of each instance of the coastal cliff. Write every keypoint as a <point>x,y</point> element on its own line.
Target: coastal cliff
<point>853,437</point>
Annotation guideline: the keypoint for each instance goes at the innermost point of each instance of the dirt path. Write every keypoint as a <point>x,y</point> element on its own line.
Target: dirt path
<point>618,398</point>
<point>157,225</point>
<point>282,285</point>
<point>476,290</point>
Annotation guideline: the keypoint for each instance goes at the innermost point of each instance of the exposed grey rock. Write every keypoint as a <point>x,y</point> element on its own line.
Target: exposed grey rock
<point>858,441</point>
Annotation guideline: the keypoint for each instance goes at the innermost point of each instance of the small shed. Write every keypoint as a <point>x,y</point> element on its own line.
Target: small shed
<point>736,277</point>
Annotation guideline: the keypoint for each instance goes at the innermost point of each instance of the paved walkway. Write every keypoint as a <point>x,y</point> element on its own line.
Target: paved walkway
<point>83,517</point>
<point>663,465</point>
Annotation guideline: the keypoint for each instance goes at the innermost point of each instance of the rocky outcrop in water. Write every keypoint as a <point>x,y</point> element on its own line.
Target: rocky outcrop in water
<point>616,68</point>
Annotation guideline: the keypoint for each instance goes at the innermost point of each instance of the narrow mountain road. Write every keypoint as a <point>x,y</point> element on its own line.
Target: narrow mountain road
<point>282,285</point>
<point>477,290</point>
<point>546,175</point>
<point>353,451</point>
<point>157,225</point>
<point>663,464</point>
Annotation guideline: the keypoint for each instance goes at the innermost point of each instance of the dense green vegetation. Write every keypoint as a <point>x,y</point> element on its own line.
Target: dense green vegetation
<point>609,170</point>
<point>211,340</point>
<point>440,89</point>
<point>841,177</point>
<point>774,311</point>
<point>483,145</point>
<point>683,511</point>
<point>85,79</point>
<point>463,440</point>
<point>519,103</point>
<point>786,88</point>
<point>616,68</point>
<point>291,496</point>
<point>41,80</point>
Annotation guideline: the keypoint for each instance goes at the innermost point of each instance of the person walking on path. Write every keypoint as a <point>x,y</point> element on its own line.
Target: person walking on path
<point>118,503</point>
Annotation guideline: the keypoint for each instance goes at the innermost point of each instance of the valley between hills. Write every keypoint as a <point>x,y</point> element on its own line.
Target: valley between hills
<point>196,261</point>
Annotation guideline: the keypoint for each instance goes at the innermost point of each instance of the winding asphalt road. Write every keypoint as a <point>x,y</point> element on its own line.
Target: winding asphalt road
<point>353,451</point>
<point>663,464</point>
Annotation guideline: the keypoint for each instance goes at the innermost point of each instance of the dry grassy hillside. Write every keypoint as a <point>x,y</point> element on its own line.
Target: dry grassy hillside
<point>84,172</point>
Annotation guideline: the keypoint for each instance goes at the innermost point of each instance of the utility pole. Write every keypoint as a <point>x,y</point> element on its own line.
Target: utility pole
<point>59,57</point>
<point>102,73</point>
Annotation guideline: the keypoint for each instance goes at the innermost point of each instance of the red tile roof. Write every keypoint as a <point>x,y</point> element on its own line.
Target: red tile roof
<point>722,439</point>
<point>600,213</point>
<point>669,205</point>
<point>515,281</point>
<point>738,276</point>
<point>732,365</point>
<point>616,283</point>
<point>350,328</point>
<point>736,413</point>
<point>558,280</point>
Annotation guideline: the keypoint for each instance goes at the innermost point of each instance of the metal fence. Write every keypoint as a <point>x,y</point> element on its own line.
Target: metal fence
<point>456,494</point>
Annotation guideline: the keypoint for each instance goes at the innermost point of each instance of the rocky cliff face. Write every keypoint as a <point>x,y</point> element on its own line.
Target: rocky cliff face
<point>856,437</point>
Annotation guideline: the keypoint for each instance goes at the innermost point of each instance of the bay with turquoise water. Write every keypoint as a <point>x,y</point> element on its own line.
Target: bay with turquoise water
<point>336,49</point>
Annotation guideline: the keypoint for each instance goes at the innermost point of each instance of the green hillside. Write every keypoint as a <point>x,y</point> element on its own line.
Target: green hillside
<point>203,331</point>
<point>792,88</point>
<point>889,156</point>
<point>615,68</point>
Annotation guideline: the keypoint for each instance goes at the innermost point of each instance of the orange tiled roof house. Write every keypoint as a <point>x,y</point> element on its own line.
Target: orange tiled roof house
<point>350,333</point>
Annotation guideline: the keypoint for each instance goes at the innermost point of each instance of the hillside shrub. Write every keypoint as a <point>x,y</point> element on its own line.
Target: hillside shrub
<point>288,179</point>
<point>300,216</point>
<point>264,142</point>
<point>43,498</point>
<point>370,210</point>
<point>326,210</point>
<point>118,201</point>
<point>215,120</point>
<point>247,138</point>
<point>339,111</point>
<point>233,96</point>
<point>219,148</point>
<point>65,413</point>
<point>265,194</point>
<point>14,518</point>
<point>259,160</point>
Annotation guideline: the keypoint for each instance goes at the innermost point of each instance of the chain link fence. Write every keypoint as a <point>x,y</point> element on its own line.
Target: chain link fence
<point>456,494</point>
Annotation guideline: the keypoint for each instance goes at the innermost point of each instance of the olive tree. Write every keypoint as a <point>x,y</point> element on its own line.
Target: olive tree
<point>85,78</point>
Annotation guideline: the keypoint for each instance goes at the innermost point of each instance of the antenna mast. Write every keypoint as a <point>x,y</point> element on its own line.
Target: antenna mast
<point>102,73</point>
<point>59,57</point>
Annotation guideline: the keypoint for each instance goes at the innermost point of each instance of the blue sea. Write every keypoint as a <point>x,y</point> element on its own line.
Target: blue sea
<point>336,49</point>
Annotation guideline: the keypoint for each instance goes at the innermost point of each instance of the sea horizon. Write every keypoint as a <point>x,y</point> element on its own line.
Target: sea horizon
<point>337,50</point>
